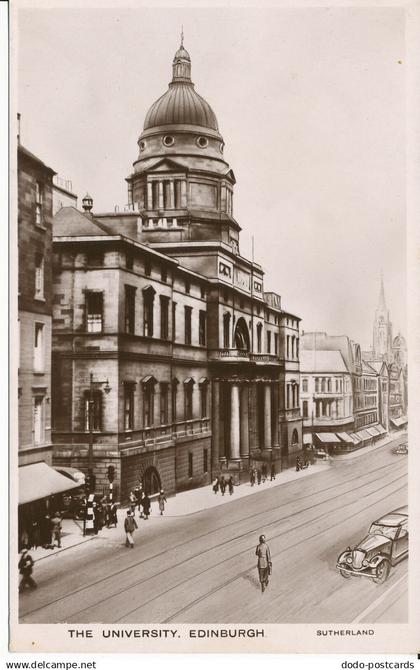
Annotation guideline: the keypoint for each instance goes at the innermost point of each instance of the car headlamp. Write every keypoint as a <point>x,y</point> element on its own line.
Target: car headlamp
<point>365,562</point>
<point>349,559</point>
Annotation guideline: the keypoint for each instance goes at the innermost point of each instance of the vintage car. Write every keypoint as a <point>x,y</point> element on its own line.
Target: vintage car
<point>401,449</point>
<point>385,545</point>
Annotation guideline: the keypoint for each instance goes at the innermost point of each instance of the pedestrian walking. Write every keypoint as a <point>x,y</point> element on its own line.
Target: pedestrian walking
<point>272,472</point>
<point>298,464</point>
<point>113,519</point>
<point>162,500</point>
<point>141,504</point>
<point>130,526</point>
<point>133,503</point>
<point>264,473</point>
<point>46,531</point>
<point>137,494</point>
<point>146,506</point>
<point>56,529</point>
<point>222,485</point>
<point>259,476</point>
<point>252,477</point>
<point>264,564</point>
<point>26,566</point>
<point>216,485</point>
<point>230,485</point>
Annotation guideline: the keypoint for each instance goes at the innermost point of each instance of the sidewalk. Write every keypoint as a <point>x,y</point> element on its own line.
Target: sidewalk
<point>196,500</point>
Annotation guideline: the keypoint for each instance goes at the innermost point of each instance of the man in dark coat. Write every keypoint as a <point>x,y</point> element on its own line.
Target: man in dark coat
<point>130,526</point>
<point>222,485</point>
<point>259,476</point>
<point>272,472</point>
<point>252,477</point>
<point>230,485</point>
<point>216,485</point>
<point>146,506</point>
<point>264,472</point>
<point>26,564</point>
<point>264,562</point>
<point>298,464</point>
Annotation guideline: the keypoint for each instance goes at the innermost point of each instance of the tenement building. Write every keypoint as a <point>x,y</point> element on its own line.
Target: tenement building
<point>171,362</point>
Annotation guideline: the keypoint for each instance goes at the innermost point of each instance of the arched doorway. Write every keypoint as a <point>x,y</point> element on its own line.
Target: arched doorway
<point>242,335</point>
<point>151,481</point>
<point>295,438</point>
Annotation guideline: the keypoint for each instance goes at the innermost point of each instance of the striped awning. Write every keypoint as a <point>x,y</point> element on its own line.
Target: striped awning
<point>400,421</point>
<point>372,431</point>
<point>381,430</point>
<point>364,435</point>
<point>327,438</point>
<point>345,437</point>
<point>356,439</point>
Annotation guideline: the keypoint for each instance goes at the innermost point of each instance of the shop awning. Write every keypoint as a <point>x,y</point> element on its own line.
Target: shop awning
<point>38,481</point>
<point>307,438</point>
<point>400,421</point>
<point>364,435</point>
<point>356,439</point>
<point>372,431</point>
<point>381,430</point>
<point>327,438</point>
<point>346,438</point>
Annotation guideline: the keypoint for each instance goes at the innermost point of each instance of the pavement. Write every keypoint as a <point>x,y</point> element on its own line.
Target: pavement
<point>194,501</point>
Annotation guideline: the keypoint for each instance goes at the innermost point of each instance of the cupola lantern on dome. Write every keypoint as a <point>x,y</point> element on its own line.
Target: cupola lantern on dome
<point>181,104</point>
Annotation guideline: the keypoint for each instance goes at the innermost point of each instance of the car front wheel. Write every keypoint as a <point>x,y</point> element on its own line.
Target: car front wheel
<point>345,574</point>
<point>382,572</point>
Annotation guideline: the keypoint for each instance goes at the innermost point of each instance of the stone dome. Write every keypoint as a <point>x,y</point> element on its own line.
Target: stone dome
<point>181,104</point>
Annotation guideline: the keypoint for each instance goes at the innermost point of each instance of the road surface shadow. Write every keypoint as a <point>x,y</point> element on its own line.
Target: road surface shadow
<point>253,580</point>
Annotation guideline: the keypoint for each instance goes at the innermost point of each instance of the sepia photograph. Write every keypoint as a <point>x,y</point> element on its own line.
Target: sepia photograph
<point>211,441</point>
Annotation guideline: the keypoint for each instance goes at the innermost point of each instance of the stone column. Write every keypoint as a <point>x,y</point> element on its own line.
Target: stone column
<point>234,423</point>
<point>171,194</point>
<point>276,415</point>
<point>149,195</point>
<point>160,198</point>
<point>215,420</point>
<point>183,194</point>
<point>244,421</point>
<point>267,417</point>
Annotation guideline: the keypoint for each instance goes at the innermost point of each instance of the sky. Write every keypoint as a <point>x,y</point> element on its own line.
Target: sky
<point>311,106</point>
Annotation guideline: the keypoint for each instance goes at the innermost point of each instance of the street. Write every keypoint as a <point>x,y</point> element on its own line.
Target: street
<point>202,567</point>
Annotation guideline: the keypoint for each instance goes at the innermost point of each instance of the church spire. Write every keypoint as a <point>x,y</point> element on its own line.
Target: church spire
<point>382,303</point>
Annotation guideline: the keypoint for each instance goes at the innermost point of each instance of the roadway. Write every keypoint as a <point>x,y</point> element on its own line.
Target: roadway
<point>201,567</point>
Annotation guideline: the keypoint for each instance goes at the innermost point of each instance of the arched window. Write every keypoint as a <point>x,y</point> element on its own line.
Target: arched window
<point>188,398</point>
<point>242,335</point>
<point>148,388</point>
<point>295,437</point>
<point>226,330</point>
<point>204,385</point>
<point>259,337</point>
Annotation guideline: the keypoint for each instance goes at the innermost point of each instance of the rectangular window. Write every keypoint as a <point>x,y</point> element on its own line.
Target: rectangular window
<point>164,317</point>
<point>205,460</point>
<point>287,396</point>
<point>39,277</point>
<point>187,324</point>
<point>269,341</point>
<point>128,406</point>
<point>203,292</point>
<point>305,385</point>
<point>276,344</point>
<point>305,409</point>
<point>203,400</point>
<point>39,197</point>
<point>130,309</point>
<point>93,410</point>
<point>148,402</point>
<point>202,323</point>
<point>95,258</point>
<point>190,465</point>
<point>39,348</point>
<point>94,311</point>
<point>129,260</point>
<point>188,391</point>
<point>38,420</point>
<point>173,321</point>
<point>163,404</point>
<point>226,330</point>
<point>164,274</point>
<point>148,303</point>
<point>187,286</point>
<point>288,346</point>
<point>174,399</point>
<point>147,268</point>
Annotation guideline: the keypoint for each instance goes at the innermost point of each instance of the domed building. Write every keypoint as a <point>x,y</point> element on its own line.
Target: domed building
<point>172,363</point>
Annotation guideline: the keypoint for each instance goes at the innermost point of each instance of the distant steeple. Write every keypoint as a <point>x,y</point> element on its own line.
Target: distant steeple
<point>382,303</point>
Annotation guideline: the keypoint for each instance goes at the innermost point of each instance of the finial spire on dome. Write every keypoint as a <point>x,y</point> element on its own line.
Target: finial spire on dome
<point>181,66</point>
<point>182,37</point>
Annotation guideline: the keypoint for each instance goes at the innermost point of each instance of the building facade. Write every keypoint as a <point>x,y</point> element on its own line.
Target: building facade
<point>34,307</point>
<point>171,361</point>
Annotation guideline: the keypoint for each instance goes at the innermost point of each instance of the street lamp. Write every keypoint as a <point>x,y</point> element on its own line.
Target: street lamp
<point>107,389</point>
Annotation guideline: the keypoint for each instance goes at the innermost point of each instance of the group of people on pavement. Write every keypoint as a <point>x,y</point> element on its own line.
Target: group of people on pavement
<point>261,474</point>
<point>44,531</point>
<point>220,483</point>
<point>140,499</point>
<point>104,513</point>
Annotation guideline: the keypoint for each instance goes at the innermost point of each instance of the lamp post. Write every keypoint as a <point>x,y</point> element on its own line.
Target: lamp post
<point>107,389</point>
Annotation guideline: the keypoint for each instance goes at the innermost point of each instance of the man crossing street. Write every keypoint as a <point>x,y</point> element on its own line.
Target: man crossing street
<point>130,526</point>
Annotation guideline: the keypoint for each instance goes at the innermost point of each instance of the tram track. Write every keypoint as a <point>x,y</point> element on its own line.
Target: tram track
<point>371,477</point>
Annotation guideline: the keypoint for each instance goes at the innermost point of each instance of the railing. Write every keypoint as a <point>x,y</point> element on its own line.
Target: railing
<point>228,354</point>
<point>264,358</point>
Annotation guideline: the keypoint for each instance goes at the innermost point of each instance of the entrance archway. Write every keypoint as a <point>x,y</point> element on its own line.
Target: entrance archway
<point>151,481</point>
<point>242,335</point>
